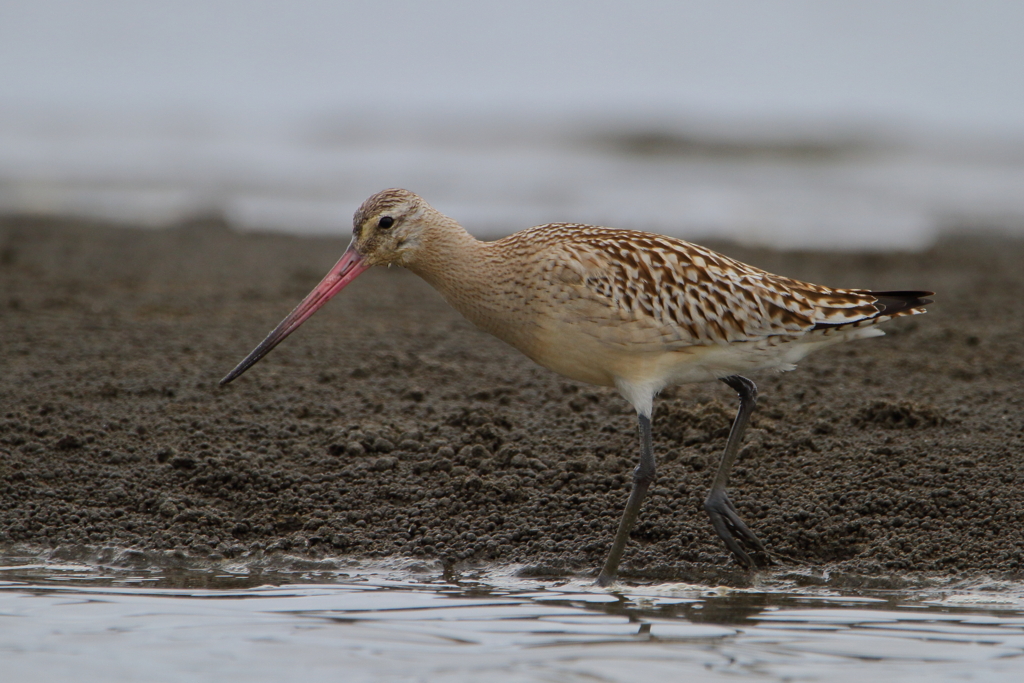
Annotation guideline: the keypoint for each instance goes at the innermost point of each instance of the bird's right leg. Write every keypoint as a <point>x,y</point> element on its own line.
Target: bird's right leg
<point>727,522</point>
<point>643,475</point>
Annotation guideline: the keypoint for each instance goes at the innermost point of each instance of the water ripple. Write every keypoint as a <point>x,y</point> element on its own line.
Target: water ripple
<point>383,625</point>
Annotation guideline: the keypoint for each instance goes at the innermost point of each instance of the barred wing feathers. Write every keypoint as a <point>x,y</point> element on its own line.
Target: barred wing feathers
<point>679,294</point>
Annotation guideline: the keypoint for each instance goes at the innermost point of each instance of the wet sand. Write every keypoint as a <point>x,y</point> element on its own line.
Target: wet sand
<point>390,426</point>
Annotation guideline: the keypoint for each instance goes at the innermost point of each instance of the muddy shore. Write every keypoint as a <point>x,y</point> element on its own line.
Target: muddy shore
<point>390,426</point>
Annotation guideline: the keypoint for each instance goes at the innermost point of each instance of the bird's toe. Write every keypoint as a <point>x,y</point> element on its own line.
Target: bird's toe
<point>731,529</point>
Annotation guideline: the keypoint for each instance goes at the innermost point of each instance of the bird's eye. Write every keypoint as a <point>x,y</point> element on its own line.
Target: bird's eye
<point>385,222</point>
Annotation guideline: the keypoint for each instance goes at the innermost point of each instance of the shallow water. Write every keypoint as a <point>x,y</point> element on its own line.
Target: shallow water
<point>410,622</point>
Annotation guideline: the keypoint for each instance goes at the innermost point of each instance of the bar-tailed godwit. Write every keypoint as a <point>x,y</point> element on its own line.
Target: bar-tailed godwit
<point>618,308</point>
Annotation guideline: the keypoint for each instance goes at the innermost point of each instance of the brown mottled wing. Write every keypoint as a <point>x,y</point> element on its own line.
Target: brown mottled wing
<point>678,294</point>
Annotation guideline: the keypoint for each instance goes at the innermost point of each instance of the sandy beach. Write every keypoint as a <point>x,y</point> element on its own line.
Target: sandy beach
<point>389,426</point>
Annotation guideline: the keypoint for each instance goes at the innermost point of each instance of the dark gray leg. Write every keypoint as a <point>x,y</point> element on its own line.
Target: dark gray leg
<point>643,475</point>
<point>727,523</point>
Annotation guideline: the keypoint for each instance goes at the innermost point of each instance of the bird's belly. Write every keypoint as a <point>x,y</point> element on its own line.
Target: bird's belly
<point>579,354</point>
<point>614,354</point>
<point>581,359</point>
<point>585,358</point>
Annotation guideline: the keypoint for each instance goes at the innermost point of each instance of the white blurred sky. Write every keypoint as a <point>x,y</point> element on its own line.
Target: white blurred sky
<point>949,65</point>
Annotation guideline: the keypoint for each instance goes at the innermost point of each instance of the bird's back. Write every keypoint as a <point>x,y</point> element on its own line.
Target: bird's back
<point>635,293</point>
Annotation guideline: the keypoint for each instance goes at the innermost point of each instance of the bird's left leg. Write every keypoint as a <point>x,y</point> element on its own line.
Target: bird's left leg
<point>727,523</point>
<point>643,476</point>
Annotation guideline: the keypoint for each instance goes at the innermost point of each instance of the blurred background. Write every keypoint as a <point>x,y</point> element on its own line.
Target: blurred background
<point>800,123</point>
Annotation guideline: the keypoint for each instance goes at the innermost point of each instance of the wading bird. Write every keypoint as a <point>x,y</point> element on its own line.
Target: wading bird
<point>619,308</point>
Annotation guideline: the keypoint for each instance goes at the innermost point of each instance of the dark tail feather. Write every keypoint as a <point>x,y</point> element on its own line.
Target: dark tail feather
<point>891,303</point>
<point>888,304</point>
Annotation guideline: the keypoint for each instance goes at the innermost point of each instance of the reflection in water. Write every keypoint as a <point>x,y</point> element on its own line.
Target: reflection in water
<point>64,622</point>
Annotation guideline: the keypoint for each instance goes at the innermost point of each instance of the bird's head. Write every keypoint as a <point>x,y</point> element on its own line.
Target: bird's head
<point>387,229</point>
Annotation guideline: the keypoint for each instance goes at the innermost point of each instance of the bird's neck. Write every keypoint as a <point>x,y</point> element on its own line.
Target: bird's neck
<point>463,269</point>
<point>445,255</point>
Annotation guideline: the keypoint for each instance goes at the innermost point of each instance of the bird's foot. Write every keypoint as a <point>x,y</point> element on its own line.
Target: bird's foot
<point>731,529</point>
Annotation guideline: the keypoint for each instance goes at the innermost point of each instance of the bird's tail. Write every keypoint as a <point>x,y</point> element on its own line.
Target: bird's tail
<point>887,305</point>
<point>901,303</point>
